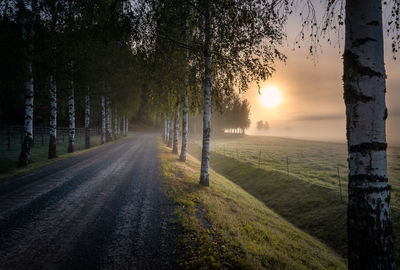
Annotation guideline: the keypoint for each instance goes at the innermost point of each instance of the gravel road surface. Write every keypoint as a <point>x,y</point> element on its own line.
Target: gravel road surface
<point>104,209</point>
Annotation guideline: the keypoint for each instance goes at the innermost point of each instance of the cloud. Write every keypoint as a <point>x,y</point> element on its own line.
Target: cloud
<point>314,117</point>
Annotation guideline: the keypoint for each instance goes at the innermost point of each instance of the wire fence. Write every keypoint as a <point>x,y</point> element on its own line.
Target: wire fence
<point>322,167</point>
<point>12,136</point>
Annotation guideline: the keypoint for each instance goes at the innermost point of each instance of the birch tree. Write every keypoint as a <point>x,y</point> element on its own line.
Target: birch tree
<point>241,42</point>
<point>185,105</point>
<point>87,120</point>
<point>170,133</point>
<point>176,131</point>
<point>53,118</point>
<point>28,18</point>
<point>369,222</point>
<point>71,112</point>
<point>52,153</point>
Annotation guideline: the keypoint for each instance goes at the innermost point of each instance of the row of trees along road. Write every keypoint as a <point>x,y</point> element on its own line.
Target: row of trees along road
<point>182,56</point>
<point>69,55</point>
<point>221,45</point>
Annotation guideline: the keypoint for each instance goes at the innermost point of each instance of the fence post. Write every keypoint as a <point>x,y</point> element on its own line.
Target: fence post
<point>287,167</point>
<point>259,159</point>
<point>340,184</point>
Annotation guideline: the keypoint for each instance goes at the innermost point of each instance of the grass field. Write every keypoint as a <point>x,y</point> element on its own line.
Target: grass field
<point>310,196</point>
<point>226,227</point>
<point>8,159</point>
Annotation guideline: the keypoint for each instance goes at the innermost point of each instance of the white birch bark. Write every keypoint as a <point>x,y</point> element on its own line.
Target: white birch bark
<point>71,116</point>
<point>185,110</point>
<point>170,133</point>
<point>53,117</point>
<point>205,154</point>
<point>126,126</point>
<point>108,123</point>
<point>103,120</point>
<point>176,131</point>
<point>27,25</point>
<point>123,126</point>
<point>165,129</point>
<point>167,135</point>
<point>369,216</point>
<point>115,125</point>
<point>87,120</point>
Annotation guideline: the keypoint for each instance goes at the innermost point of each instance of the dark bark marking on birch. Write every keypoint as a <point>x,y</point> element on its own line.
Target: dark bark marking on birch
<point>362,41</point>
<point>367,147</point>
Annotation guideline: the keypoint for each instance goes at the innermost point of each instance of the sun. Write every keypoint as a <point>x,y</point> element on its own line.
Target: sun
<point>270,96</point>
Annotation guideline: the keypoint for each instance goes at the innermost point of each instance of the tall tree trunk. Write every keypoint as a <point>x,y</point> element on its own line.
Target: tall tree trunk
<point>170,133</point>
<point>87,121</point>
<point>53,117</point>
<point>109,118</point>
<point>71,115</point>
<point>27,25</point>
<point>28,126</point>
<point>103,120</point>
<point>176,131</point>
<point>167,137</point>
<point>126,125</point>
<point>205,153</point>
<point>185,117</point>
<point>185,110</point>
<point>370,240</point>
<point>115,125</point>
<point>123,125</point>
<point>165,133</point>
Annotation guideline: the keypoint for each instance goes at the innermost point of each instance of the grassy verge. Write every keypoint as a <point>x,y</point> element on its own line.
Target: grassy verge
<point>314,208</point>
<point>226,227</point>
<point>9,168</point>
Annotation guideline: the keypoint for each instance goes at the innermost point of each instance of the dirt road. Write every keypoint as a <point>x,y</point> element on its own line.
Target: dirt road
<point>104,209</point>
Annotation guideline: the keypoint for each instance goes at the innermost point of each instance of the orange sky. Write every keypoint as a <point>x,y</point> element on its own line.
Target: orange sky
<point>313,106</point>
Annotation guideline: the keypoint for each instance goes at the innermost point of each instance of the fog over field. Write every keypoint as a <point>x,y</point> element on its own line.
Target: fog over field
<point>312,92</point>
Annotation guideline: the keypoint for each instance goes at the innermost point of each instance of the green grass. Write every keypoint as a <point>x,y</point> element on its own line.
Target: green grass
<point>8,159</point>
<point>226,227</point>
<point>310,197</point>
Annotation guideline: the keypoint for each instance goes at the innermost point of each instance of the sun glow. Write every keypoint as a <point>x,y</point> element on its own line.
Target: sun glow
<point>270,96</point>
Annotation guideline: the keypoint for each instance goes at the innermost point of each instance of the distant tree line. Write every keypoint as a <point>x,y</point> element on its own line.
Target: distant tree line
<point>262,125</point>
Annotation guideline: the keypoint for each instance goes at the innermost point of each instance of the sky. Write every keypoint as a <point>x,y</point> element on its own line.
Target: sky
<point>312,104</point>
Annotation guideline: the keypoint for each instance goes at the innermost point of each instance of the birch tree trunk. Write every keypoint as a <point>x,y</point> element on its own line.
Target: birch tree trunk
<point>185,114</point>
<point>165,129</point>
<point>53,117</point>
<point>109,127</point>
<point>71,117</point>
<point>176,131</point>
<point>103,120</point>
<point>87,121</point>
<point>170,132</point>
<point>370,240</point>
<point>185,117</point>
<point>205,153</point>
<point>27,25</point>
<point>123,125</point>
<point>115,125</point>
<point>167,136</point>
<point>126,126</point>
